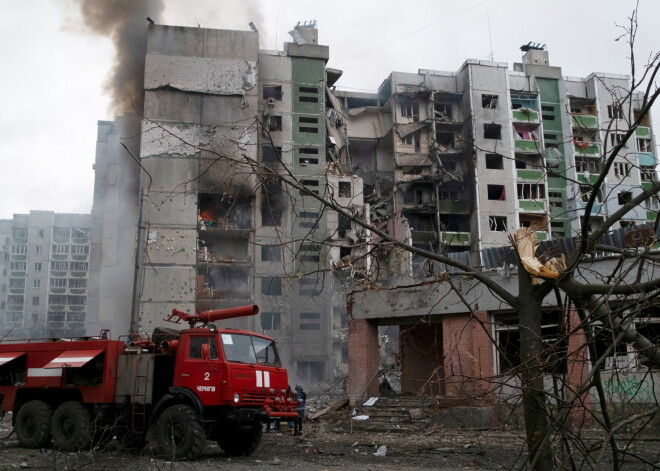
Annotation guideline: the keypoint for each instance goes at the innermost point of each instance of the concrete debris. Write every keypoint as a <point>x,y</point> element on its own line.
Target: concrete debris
<point>361,417</point>
<point>371,401</point>
<point>331,408</point>
<point>417,414</point>
<point>382,451</point>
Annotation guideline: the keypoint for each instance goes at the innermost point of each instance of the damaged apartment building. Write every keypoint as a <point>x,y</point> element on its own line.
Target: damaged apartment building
<point>455,161</point>
<point>451,162</point>
<point>224,125</point>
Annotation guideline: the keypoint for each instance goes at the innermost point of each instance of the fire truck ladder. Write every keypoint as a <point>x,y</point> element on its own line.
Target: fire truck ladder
<point>139,396</point>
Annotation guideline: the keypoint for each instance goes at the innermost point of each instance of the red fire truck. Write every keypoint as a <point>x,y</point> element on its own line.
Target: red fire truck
<point>179,387</point>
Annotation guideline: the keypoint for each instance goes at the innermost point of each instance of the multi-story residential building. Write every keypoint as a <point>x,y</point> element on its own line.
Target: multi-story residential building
<point>44,265</point>
<point>464,158</point>
<point>224,124</point>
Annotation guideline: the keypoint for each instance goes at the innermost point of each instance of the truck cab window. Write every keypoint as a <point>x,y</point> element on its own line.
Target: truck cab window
<point>195,350</point>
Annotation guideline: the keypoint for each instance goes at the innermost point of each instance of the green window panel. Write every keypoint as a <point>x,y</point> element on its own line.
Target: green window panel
<point>585,122</point>
<point>541,236</point>
<point>535,175</point>
<point>651,215</point>
<point>525,145</point>
<point>529,205</point>
<point>456,238</point>
<point>582,178</point>
<point>525,116</point>
<point>643,131</point>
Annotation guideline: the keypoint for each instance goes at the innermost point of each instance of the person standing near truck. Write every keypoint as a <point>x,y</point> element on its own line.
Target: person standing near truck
<point>301,398</point>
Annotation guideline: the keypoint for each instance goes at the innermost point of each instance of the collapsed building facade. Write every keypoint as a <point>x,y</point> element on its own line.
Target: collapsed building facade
<point>451,162</point>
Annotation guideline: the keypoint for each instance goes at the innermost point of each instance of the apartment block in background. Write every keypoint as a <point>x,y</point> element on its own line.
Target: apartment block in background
<point>44,265</point>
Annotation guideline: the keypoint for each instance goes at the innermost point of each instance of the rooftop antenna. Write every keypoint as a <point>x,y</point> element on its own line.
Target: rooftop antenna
<point>490,38</point>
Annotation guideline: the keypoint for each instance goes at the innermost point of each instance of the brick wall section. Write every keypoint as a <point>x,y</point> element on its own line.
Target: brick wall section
<point>362,360</point>
<point>422,359</point>
<point>578,369</point>
<point>468,355</point>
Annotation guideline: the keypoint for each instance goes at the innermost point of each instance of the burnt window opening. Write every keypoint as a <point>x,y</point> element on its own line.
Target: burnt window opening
<point>443,112</point>
<point>307,161</point>
<point>272,91</point>
<point>271,253</point>
<point>274,123</point>
<point>271,320</point>
<point>447,164</point>
<point>223,282</point>
<point>304,89</point>
<point>534,222</point>
<point>225,211</point>
<point>305,119</point>
<point>489,101</point>
<point>614,112</point>
<point>415,197</point>
<point>492,131</point>
<point>309,214</point>
<point>344,189</point>
<point>495,162</point>
<point>272,203</point>
<point>308,150</point>
<point>308,130</point>
<point>624,197</point>
<point>420,221</point>
<point>314,183</point>
<point>308,99</point>
<point>445,139</point>
<point>343,226</point>
<point>271,286</point>
<point>410,109</point>
<point>271,154</point>
<point>344,251</point>
<point>496,192</point>
<point>627,223</point>
<point>531,191</point>
<point>497,223</point>
<point>550,137</point>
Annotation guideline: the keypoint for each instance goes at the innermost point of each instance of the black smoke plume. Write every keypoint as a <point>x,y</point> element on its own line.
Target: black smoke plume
<point>125,22</point>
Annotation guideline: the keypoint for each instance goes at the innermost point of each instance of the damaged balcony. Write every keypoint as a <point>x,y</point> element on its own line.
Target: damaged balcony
<point>530,167</point>
<point>531,197</point>
<point>537,223</point>
<point>584,114</point>
<point>525,108</point>
<point>583,148</point>
<point>448,143</point>
<point>526,140</point>
<point>223,281</point>
<point>225,212</point>
<point>447,113</point>
<point>587,169</point>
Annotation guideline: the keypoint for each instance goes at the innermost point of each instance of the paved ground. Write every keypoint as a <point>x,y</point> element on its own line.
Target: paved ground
<point>326,446</point>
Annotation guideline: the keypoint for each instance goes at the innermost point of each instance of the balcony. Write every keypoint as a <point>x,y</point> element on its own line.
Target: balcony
<point>525,115</point>
<point>583,121</point>
<point>456,238</point>
<point>643,131</point>
<point>541,235</point>
<point>651,215</point>
<point>455,207</point>
<point>586,149</point>
<point>16,290</point>
<point>57,290</point>
<point>531,205</point>
<point>589,178</point>
<point>78,291</point>
<point>424,236</point>
<point>595,209</point>
<point>535,175</point>
<point>646,159</point>
<point>528,146</point>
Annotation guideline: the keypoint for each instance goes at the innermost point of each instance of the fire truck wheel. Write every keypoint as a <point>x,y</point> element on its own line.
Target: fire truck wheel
<point>180,435</point>
<point>72,427</point>
<point>33,424</point>
<point>240,442</point>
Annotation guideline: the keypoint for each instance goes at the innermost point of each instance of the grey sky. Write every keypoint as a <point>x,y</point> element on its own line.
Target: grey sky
<point>53,73</point>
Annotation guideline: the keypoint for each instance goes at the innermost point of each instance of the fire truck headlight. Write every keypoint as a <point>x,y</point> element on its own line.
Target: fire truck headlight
<point>283,391</point>
<point>271,390</point>
<point>277,399</point>
<point>237,398</point>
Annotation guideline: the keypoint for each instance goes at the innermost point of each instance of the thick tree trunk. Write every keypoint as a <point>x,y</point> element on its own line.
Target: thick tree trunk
<point>537,423</point>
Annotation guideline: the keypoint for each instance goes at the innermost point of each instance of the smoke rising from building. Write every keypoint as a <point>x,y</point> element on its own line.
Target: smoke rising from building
<point>125,22</point>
